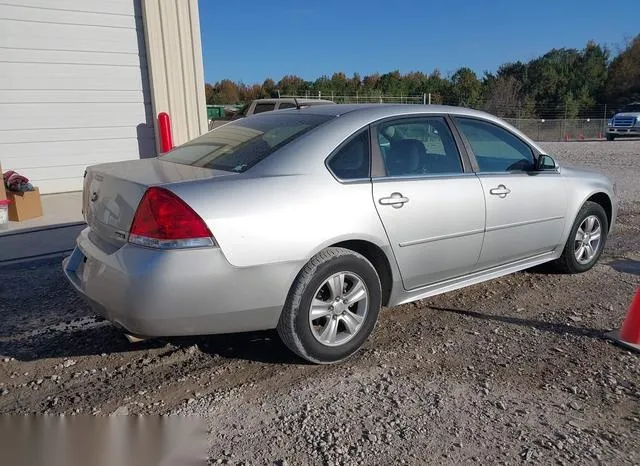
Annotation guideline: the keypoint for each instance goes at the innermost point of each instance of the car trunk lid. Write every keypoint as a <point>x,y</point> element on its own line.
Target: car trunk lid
<point>112,192</point>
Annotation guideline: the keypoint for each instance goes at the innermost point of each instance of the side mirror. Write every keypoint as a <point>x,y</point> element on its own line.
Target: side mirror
<point>545,162</point>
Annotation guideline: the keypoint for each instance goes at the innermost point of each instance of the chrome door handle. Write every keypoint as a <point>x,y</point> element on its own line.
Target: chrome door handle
<point>501,191</point>
<point>396,200</point>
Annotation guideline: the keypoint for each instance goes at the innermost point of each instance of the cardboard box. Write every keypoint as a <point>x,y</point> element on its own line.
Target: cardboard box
<point>3,192</point>
<point>24,206</point>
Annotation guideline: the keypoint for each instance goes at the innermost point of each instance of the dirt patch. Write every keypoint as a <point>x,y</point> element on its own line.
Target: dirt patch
<point>514,370</point>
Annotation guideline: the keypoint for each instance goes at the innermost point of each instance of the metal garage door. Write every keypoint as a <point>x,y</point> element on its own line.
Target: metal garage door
<point>74,88</point>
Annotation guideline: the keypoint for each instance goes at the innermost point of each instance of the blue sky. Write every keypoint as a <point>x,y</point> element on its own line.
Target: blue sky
<point>250,41</point>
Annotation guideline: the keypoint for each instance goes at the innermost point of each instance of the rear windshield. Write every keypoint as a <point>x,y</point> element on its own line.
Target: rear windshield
<point>241,144</point>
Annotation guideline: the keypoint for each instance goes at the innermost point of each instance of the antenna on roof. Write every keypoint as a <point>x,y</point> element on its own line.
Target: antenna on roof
<point>298,107</point>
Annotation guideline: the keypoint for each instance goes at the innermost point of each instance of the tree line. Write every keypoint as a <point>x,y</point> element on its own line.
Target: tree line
<point>562,83</point>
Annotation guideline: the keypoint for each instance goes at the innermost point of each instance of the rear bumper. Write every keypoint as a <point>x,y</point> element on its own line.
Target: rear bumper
<point>181,292</point>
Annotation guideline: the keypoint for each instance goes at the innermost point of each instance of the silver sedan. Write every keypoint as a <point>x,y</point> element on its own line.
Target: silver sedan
<point>311,220</point>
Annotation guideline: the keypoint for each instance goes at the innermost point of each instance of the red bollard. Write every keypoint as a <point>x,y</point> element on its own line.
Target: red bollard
<point>164,131</point>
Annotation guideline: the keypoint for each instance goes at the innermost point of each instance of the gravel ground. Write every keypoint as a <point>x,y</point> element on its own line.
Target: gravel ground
<point>515,370</point>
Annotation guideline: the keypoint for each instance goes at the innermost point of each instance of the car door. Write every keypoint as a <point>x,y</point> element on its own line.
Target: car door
<point>525,208</point>
<point>430,202</point>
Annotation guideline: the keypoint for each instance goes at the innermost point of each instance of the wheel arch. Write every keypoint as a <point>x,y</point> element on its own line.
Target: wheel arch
<point>380,261</point>
<point>605,202</point>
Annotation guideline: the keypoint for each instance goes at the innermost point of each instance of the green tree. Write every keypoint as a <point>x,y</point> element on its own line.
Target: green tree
<point>466,88</point>
<point>623,83</point>
<point>209,93</point>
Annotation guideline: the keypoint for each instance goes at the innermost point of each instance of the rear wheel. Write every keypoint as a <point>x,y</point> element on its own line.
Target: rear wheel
<point>586,240</point>
<point>332,307</point>
<point>610,137</point>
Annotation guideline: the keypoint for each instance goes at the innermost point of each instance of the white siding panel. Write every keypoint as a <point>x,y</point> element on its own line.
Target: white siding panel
<point>57,116</point>
<point>62,185</point>
<point>72,58</point>
<point>74,88</point>
<point>55,16</point>
<point>33,135</point>
<point>113,7</point>
<point>65,153</point>
<point>45,36</point>
<point>70,77</point>
<point>47,96</point>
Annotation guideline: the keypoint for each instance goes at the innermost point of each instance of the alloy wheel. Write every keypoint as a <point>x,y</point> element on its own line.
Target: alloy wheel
<point>587,240</point>
<point>338,309</point>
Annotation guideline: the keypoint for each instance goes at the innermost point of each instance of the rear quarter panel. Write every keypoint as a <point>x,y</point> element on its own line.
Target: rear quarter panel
<point>284,218</point>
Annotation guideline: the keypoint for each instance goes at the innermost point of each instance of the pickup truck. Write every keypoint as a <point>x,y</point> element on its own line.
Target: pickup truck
<point>268,105</point>
<point>625,123</point>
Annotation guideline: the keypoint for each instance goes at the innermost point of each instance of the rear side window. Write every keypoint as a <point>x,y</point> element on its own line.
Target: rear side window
<point>284,105</point>
<point>263,108</point>
<point>351,162</point>
<point>241,144</point>
<point>495,148</point>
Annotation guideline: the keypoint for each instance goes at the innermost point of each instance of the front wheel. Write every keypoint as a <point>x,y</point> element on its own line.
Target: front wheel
<point>586,239</point>
<point>332,306</point>
<point>610,137</point>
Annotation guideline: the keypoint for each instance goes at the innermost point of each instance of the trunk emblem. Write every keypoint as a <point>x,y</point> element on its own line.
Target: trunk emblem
<point>94,196</point>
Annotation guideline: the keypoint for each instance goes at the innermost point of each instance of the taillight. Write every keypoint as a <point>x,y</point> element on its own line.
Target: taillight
<point>163,220</point>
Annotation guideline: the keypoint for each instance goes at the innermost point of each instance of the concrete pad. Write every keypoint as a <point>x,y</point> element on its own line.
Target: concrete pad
<point>52,234</point>
<point>58,209</point>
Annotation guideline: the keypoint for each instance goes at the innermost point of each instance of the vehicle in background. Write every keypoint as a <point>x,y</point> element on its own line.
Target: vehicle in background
<point>625,123</point>
<point>311,220</point>
<point>269,105</point>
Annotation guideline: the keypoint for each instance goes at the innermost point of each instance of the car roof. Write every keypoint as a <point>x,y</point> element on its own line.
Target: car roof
<point>392,110</point>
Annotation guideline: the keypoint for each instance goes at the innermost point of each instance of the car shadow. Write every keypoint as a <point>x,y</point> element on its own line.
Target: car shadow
<point>264,347</point>
<point>626,266</point>
<point>619,265</point>
<point>547,268</point>
<point>552,327</point>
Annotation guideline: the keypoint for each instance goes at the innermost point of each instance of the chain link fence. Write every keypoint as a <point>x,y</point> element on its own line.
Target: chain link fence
<point>538,129</point>
<point>561,129</point>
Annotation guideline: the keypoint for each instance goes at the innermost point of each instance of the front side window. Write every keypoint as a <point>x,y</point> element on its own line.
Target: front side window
<point>418,146</point>
<point>241,144</point>
<point>495,148</point>
<point>352,160</point>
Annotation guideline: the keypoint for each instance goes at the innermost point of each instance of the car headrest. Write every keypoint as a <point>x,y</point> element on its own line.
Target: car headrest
<point>405,157</point>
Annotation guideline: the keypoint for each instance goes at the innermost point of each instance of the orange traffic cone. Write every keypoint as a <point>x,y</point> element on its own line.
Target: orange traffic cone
<point>629,334</point>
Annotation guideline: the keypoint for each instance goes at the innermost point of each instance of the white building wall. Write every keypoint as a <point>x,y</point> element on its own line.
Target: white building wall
<point>74,88</point>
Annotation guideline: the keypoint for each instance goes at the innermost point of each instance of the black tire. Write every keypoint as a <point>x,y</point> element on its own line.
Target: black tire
<point>294,326</point>
<point>567,262</point>
<point>610,137</point>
